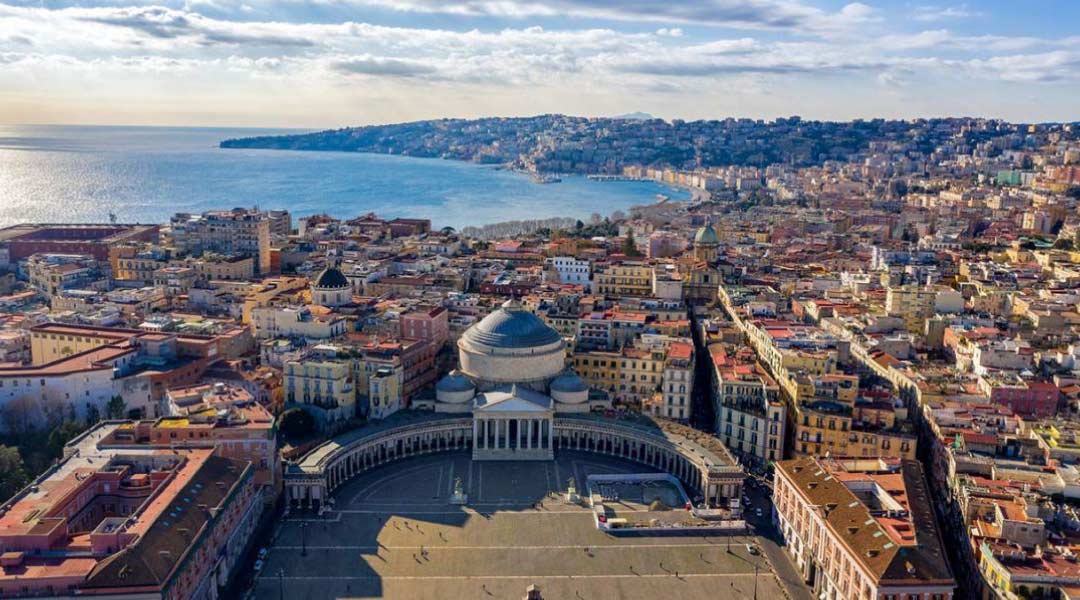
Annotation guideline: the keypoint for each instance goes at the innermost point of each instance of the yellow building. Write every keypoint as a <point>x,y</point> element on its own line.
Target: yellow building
<point>324,384</point>
<point>826,427</point>
<point>599,369</point>
<point>384,386</point>
<point>912,304</point>
<point>225,268</point>
<point>624,279</point>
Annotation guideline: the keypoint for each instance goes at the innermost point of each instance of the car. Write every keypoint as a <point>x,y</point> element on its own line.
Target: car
<point>258,565</point>
<point>263,552</point>
<point>752,549</point>
<point>757,512</point>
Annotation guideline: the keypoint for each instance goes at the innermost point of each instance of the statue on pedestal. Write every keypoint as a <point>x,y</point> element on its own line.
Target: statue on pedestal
<point>458,496</point>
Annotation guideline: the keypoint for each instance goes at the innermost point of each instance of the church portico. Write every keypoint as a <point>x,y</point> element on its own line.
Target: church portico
<point>512,425</point>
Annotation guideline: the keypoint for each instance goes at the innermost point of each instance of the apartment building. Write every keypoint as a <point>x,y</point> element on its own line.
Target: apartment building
<point>624,279</point>
<point>237,231</point>
<point>572,271</point>
<point>861,529</point>
<point>323,383</point>
<point>750,416</point>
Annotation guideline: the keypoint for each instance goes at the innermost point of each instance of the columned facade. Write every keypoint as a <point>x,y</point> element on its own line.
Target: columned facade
<point>506,437</point>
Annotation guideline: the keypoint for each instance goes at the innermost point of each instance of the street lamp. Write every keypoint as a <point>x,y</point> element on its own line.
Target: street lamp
<point>755,580</point>
<point>281,582</point>
<point>303,538</point>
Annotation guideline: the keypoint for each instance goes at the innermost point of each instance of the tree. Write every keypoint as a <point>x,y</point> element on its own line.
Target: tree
<point>115,408</point>
<point>579,225</point>
<point>629,248</point>
<point>1063,244</point>
<point>93,414</point>
<point>20,414</point>
<point>61,435</point>
<point>12,472</point>
<point>296,423</point>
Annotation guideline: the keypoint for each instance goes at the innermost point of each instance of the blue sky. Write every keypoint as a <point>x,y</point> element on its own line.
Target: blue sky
<point>326,63</point>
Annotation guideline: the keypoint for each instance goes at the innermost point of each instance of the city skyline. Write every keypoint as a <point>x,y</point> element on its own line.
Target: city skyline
<point>355,62</point>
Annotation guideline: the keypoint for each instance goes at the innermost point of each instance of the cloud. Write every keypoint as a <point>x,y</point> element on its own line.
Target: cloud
<point>941,13</point>
<point>164,23</point>
<point>381,66</point>
<point>119,50</point>
<point>1053,66</point>
<point>743,14</point>
<point>943,39</point>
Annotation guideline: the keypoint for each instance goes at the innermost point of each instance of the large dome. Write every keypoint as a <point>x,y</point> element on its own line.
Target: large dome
<point>511,345</point>
<point>511,326</point>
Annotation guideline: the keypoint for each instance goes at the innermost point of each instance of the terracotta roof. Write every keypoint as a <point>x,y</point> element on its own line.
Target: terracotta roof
<point>922,560</point>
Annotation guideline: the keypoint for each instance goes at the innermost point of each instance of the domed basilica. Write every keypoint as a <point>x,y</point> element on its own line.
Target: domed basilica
<point>513,378</point>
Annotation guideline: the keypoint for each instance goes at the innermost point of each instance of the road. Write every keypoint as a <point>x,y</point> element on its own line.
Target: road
<point>760,494</point>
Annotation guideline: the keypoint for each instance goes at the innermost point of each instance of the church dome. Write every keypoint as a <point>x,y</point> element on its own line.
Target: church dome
<point>511,326</point>
<point>454,390</point>
<point>706,236</point>
<point>454,381</point>
<point>331,278</point>
<point>569,382</point>
<point>511,345</point>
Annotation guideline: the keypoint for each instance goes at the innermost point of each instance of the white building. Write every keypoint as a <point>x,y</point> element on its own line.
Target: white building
<point>573,271</point>
<point>295,321</point>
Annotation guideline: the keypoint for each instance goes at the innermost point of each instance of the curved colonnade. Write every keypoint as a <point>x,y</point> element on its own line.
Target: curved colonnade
<point>320,472</point>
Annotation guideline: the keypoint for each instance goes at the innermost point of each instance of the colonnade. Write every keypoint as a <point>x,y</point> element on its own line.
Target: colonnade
<point>310,483</point>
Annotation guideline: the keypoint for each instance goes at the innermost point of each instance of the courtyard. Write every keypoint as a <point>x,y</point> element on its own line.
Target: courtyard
<point>393,533</point>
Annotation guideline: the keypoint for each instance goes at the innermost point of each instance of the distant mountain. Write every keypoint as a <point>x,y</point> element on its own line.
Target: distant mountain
<point>564,144</point>
<point>635,116</point>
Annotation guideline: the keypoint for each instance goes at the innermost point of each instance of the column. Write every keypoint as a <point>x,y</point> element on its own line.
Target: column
<point>498,431</point>
<point>475,430</point>
<point>530,438</point>
<point>520,433</point>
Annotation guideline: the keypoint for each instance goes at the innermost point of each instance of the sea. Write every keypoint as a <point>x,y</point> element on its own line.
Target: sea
<point>73,174</point>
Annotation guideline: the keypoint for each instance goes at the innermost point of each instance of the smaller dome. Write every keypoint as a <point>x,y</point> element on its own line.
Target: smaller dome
<point>331,278</point>
<point>706,236</point>
<point>569,382</point>
<point>454,381</point>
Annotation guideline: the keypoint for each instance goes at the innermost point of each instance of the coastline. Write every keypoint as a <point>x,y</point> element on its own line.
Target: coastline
<point>146,175</point>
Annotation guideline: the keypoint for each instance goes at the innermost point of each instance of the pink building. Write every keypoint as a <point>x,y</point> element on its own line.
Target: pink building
<point>430,323</point>
<point>129,523</point>
<point>1032,399</point>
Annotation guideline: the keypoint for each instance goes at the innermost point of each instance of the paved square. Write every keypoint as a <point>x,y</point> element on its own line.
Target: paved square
<point>393,534</point>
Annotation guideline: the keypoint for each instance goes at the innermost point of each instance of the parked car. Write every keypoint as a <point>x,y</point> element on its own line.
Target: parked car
<point>258,565</point>
<point>752,549</point>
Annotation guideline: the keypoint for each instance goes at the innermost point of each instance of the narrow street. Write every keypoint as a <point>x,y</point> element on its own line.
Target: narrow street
<point>702,414</point>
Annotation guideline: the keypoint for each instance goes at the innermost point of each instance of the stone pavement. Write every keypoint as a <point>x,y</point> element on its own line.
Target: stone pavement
<point>394,535</point>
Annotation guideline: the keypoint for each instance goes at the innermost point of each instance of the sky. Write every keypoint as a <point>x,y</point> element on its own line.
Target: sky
<point>334,63</point>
